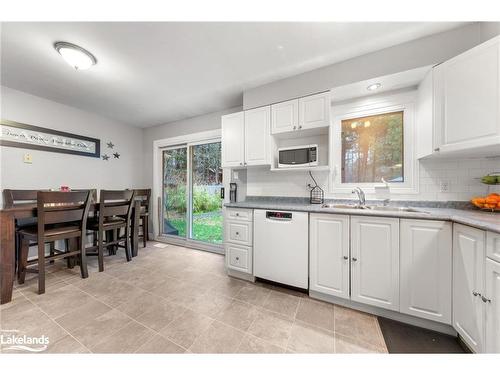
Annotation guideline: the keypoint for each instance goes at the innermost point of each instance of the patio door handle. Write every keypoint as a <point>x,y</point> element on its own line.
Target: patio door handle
<point>222,193</point>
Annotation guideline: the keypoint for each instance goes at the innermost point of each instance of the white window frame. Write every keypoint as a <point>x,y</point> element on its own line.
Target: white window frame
<point>370,106</point>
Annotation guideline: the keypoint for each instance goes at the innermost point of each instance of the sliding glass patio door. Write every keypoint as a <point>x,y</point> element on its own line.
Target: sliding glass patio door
<point>192,202</point>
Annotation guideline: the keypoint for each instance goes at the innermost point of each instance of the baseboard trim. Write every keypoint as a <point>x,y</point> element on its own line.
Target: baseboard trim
<point>413,320</point>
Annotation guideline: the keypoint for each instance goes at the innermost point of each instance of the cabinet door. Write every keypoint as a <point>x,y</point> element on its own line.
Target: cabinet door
<point>314,111</point>
<point>285,116</point>
<point>239,258</point>
<point>375,261</point>
<point>257,133</point>
<point>492,301</point>
<point>329,254</point>
<point>468,279</point>
<point>467,97</point>
<point>233,139</point>
<point>493,246</point>
<point>425,255</point>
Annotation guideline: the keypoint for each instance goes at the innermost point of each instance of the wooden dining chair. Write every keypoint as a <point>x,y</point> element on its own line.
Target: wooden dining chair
<point>143,195</point>
<point>61,216</point>
<point>114,213</point>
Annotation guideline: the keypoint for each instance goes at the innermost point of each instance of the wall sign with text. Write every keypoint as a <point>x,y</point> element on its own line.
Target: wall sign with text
<point>16,134</point>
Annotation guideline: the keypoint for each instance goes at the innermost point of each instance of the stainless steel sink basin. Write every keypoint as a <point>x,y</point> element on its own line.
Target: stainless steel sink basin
<point>394,209</point>
<point>342,206</point>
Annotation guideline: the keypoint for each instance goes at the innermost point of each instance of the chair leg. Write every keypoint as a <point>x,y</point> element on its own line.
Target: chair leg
<point>144,231</point>
<point>83,258</point>
<point>52,252</point>
<point>23,260</point>
<point>116,235</point>
<point>128,245</point>
<point>147,227</point>
<point>109,238</point>
<point>41,267</point>
<point>100,250</point>
<point>69,246</point>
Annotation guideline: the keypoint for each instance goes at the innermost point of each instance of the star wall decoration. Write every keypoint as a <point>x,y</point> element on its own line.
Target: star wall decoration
<point>110,144</point>
<point>105,157</point>
<point>116,155</point>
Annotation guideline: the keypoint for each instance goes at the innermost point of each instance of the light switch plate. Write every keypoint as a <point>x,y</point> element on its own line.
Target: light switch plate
<point>444,186</point>
<point>28,158</point>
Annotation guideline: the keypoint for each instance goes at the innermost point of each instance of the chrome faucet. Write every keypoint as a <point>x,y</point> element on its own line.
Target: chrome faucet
<point>361,196</point>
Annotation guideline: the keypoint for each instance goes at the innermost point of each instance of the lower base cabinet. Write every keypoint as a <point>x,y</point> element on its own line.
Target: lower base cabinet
<point>468,285</point>
<point>492,306</point>
<point>239,258</point>
<point>329,259</point>
<point>426,266</point>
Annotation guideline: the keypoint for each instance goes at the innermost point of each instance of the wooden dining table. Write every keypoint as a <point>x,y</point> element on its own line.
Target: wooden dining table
<point>8,217</point>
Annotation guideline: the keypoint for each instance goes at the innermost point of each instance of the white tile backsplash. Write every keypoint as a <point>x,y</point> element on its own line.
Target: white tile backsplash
<point>462,176</point>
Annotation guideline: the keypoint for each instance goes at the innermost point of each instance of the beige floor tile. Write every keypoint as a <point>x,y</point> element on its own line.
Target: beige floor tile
<point>310,339</point>
<point>228,286</point>
<point>67,344</point>
<point>358,325</point>
<point>157,316</point>
<point>127,340</point>
<point>238,314</point>
<point>186,328</point>
<point>282,303</point>
<point>351,345</point>
<point>209,304</point>
<point>140,304</point>
<point>159,344</point>
<point>252,344</point>
<point>272,327</point>
<point>316,313</point>
<point>82,315</point>
<point>101,327</point>
<point>110,290</point>
<point>253,294</point>
<point>218,338</point>
<point>186,293</point>
<point>167,288</point>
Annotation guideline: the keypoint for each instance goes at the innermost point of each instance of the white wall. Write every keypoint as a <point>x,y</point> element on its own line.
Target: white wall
<point>414,54</point>
<point>50,169</point>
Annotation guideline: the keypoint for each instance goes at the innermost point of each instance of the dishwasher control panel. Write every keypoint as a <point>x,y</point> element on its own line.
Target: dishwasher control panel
<point>277,215</point>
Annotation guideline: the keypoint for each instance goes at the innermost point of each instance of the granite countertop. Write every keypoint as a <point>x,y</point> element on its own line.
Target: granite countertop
<point>458,212</point>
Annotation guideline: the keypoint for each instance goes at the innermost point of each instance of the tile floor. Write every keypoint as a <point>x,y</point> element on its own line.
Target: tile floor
<point>179,300</point>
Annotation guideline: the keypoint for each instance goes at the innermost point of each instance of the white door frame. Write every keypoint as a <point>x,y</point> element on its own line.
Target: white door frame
<point>158,147</point>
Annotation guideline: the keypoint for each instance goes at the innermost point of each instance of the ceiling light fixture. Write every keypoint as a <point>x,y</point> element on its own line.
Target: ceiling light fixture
<point>76,56</point>
<point>374,86</point>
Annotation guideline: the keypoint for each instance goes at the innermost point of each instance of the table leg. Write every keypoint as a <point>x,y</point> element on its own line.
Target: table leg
<point>135,229</point>
<point>7,256</point>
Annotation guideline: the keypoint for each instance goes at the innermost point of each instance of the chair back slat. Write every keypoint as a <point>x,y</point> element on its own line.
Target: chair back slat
<point>115,195</point>
<point>115,203</point>
<point>117,210</point>
<point>62,207</point>
<point>12,196</point>
<point>144,195</point>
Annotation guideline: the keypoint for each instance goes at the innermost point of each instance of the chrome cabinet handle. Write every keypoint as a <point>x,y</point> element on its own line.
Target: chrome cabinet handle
<point>237,258</point>
<point>294,127</point>
<point>346,257</point>
<point>436,149</point>
<point>237,214</point>
<point>237,233</point>
<point>475,294</point>
<point>300,126</point>
<point>354,259</point>
<point>241,163</point>
<point>485,299</point>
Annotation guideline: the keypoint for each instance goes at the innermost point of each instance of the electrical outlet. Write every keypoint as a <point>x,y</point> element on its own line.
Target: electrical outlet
<point>27,158</point>
<point>444,186</point>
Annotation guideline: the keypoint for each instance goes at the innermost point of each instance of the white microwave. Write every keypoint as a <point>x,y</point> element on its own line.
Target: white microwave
<point>298,156</point>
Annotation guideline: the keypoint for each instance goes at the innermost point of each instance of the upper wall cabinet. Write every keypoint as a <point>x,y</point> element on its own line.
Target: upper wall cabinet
<point>233,139</point>
<point>285,116</point>
<point>314,111</point>
<point>300,114</point>
<point>465,109</point>
<point>245,138</point>
<point>257,132</point>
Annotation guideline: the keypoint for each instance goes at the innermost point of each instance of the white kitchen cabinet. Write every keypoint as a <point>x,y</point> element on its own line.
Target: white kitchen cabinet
<point>375,261</point>
<point>329,254</point>
<point>233,140</point>
<point>468,284</point>
<point>491,301</point>
<point>239,232</point>
<point>285,116</point>
<point>493,246</point>
<point>314,111</point>
<point>426,265</point>
<point>238,239</point>
<point>239,258</point>
<point>257,133</point>
<point>466,100</point>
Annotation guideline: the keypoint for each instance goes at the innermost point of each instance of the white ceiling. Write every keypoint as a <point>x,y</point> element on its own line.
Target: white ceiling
<point>153,73</point>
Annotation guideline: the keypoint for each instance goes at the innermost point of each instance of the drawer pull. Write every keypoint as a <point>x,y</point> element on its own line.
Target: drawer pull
<point>354,259</point>
<point>237,214</point>
<point>346,257</point>
<point>485,299</point>
<point>237,258</point>
<point>475,294</point>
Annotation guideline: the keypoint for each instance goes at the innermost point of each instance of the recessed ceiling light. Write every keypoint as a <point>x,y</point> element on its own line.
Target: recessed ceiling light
<point>374,86</point>
<point>76,56</point>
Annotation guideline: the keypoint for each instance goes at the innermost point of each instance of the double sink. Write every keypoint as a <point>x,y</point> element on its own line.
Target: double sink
<point>371,208</point>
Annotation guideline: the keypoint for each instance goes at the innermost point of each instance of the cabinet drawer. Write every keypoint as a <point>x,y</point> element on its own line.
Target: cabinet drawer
<point>243,214</point>
<point>493,246</point>
<point>239,232</point>
<point>239,258</point>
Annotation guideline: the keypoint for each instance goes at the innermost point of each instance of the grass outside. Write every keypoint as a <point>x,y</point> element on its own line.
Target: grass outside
<point>207,227</point>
